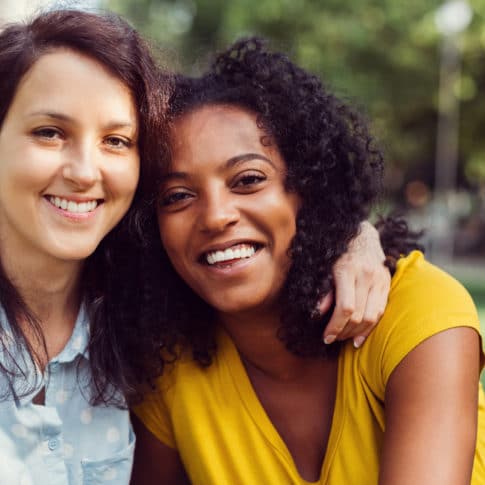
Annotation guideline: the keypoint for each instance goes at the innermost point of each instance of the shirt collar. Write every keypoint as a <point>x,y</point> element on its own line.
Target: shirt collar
<point>77,345</point>
<point>78,342</point>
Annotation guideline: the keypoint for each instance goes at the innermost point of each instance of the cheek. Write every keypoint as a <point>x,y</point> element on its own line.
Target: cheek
<point>281,210</point>
<point>289,207</point>
<point>123,179</point>
<point>175,235</point>
<point>29,166</point>
<point>170,235</point>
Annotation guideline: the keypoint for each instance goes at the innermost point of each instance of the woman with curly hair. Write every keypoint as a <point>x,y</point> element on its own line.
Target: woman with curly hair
<point>269,178</point>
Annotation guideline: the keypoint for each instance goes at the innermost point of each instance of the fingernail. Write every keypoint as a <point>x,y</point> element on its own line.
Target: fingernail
<point>358,341</point>
<point>329,339</point>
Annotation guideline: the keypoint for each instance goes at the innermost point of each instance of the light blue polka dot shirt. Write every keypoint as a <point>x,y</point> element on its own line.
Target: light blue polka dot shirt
<point>66,441</point>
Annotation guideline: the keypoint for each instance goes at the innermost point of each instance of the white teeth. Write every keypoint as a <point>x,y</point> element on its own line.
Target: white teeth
<point>74,207</point>
<point>240,251</point>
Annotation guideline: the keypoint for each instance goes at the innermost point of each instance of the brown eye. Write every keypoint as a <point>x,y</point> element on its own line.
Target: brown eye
<point>48,133</point>
<point>248,181</point>
<point>118,142</point>
<point>174,198</point>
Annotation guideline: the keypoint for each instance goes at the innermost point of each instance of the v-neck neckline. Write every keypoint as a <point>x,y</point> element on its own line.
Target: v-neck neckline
<point>257,412</point>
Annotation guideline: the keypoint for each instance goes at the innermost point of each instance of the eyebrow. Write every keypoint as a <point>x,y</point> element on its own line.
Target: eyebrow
<point>245,158</point>
<point>112,125</point>
<point>50,114</point>
<point>232,162</point>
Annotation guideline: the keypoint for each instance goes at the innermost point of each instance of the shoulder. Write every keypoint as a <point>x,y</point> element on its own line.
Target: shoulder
<point>424,295</point>
<point>428,287</point>
<point>155,409</point>
<point>185,385</point>
<point>424,300</point>
<point>183,378</point>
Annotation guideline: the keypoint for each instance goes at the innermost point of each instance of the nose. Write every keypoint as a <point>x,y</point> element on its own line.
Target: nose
<point>81,168</point>
<point>218,212</point>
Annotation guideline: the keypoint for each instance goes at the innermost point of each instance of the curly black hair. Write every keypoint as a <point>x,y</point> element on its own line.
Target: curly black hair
<point>333,164</point>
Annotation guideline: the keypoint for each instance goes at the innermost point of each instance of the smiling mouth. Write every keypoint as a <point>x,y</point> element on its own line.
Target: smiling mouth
<point>74,207</point>
<point>230,255</point>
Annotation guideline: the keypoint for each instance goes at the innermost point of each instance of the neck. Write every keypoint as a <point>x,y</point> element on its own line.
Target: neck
<point>256,338</point>
<point>51,291</point>
<point>45,286</point>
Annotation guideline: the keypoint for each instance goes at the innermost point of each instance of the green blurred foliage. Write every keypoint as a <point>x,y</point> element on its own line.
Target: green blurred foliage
<point>382,54</point>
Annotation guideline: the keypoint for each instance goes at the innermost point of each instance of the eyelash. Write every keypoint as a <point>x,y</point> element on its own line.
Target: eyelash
<point>52,133</point>
<point>46,131</point>
<point>172,198</point>
<point>244,182</point>
<point>123,141</point>
<point>249,180</point>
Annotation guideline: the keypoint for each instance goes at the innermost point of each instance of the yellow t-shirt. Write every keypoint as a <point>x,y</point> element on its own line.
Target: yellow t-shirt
<point>215,420</point>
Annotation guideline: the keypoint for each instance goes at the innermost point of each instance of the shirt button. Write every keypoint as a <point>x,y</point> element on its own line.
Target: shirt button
<point>53,444</point>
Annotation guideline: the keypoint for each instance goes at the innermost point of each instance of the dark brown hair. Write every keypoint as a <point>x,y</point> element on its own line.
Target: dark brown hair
<point>113,43</point>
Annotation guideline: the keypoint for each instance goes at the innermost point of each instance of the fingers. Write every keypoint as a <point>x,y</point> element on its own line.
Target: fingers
<point>349,319</point>
<point>357,325</point>
<point>344,305</point>
<point>377,301</point>
<point>360,303</point>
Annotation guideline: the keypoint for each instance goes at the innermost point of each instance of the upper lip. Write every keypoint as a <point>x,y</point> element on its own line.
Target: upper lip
<point>227,244</point>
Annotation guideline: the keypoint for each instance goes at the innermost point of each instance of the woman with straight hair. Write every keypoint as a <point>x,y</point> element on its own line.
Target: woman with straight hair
<point>80,107</point>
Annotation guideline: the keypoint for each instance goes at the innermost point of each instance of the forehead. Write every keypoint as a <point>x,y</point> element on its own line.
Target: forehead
<point>226,118</point>
<point>63,79</point>
<point>222,130</point>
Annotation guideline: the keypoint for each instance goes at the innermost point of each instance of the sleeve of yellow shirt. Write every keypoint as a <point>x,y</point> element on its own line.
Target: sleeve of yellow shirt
<point>424,301</point>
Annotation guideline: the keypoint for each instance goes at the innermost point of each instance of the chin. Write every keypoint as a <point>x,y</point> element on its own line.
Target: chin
<point>235,306</point>
<point>239,300</point>
<point>74,253</point>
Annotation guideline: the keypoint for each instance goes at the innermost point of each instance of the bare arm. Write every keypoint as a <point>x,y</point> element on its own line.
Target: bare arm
<point>431,412</point>
<point>362,284</point>
<point>155,463</point>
